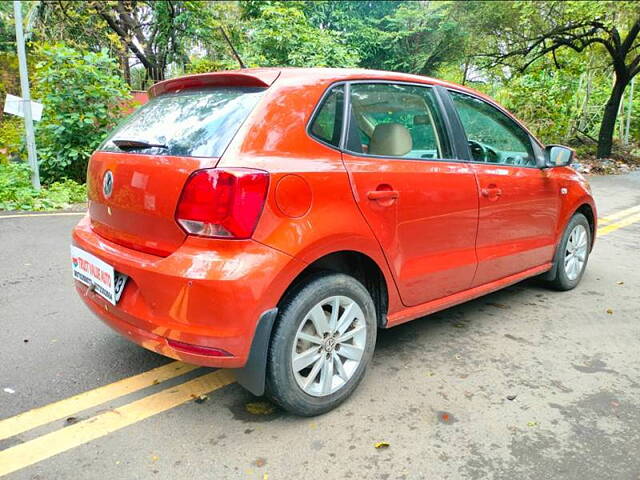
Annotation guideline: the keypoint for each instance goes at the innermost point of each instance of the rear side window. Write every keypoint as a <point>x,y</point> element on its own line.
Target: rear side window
<point>396,120</point>
<point>192,123</point>
<point>327,123</point>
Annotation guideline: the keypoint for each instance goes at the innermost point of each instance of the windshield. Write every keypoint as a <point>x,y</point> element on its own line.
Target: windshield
<point>192,123</point>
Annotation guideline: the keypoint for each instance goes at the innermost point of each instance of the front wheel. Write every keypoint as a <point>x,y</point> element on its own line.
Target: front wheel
<point>573,253</point>
<point>322,343</point>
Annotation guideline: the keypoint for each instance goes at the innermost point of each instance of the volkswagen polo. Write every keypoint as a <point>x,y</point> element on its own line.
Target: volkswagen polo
<point>272,220</point>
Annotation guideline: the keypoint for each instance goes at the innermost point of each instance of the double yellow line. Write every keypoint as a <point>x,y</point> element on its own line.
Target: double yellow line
<point>50,444</point>
<point>618,220</point>
<point>58,441</point>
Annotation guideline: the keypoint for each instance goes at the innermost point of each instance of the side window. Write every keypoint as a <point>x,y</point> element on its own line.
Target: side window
<point>493,137</point>
<point>327,123</point>
<point>395,120</point>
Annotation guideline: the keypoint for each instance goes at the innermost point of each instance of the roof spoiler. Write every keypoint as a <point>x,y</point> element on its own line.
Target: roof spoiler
<point>235,78</point>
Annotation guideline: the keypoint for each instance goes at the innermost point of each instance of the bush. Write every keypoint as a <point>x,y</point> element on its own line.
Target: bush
<point>11,130</point>
<point>83,97</point>
<point>16,192</point>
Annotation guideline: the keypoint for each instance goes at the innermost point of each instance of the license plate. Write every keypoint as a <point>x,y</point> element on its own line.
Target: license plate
<point>99,276</point>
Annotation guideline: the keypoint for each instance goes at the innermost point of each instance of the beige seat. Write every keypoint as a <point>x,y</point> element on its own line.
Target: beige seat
<point>390,140</point>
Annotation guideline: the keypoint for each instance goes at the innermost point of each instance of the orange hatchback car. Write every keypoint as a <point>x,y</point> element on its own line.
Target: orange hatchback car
<point>271,220</point>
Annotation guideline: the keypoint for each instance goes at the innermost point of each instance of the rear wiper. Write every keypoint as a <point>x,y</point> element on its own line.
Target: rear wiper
<point>136,144</point>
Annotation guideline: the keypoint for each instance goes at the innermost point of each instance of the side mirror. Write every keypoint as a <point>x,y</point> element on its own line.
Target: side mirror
<point>557,156</point>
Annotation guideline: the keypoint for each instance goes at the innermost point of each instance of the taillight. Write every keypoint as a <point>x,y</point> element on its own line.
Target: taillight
<point>222,202</point>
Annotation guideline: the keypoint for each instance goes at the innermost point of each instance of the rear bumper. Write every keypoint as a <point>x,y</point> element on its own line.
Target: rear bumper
<point>208,293</point>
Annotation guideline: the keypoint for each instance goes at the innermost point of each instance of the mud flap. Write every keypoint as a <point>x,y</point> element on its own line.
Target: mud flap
<point>252,375</point>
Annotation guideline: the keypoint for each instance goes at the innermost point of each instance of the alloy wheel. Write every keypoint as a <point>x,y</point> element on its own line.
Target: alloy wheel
<point>329,346</point>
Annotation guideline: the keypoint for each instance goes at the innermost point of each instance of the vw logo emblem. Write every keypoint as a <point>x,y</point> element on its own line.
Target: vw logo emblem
<point>107,184</point>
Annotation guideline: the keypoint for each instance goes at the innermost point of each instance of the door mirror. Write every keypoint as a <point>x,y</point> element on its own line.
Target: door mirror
<point>557,156</point>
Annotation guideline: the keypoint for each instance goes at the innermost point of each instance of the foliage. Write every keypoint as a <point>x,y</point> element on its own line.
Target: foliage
<point>11,131</point>
<point>283,36</point>
<point>552,63</point>
<point>16,192</point>
<point>83,98</point>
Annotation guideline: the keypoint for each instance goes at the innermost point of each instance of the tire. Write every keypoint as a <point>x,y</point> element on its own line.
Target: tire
<point>310,391</point>
<point>568,272</point>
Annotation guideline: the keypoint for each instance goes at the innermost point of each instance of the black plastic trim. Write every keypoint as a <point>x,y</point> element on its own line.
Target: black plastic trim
<point>252,376</point>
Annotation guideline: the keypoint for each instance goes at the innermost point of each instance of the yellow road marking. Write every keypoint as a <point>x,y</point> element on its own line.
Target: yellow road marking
<point>64,408</point>
<point>617,215</point>
<point>615,226</point>
<point>46,446</point>
<point>59,214</point>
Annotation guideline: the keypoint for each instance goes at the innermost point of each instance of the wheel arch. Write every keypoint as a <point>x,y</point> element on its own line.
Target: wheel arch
<point>587,210</point>
<point>356,264</point>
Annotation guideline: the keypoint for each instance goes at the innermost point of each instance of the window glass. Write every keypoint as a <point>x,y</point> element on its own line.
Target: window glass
<point>493,137</point>
<point>327,124</point>
<point>395,120</point>
<point>192,123</point>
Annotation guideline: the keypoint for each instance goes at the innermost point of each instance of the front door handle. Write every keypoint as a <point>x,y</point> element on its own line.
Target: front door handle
<point>383,194</point>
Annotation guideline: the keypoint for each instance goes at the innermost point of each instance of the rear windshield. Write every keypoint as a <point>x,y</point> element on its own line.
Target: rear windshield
<point>192,123</point>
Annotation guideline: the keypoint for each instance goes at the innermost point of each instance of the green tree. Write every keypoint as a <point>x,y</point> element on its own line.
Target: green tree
<point>601,28</point>
<point>280,34</point>
<point>83,97</point>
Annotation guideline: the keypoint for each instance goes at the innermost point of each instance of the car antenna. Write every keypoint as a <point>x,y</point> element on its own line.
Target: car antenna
<point>235,52</point>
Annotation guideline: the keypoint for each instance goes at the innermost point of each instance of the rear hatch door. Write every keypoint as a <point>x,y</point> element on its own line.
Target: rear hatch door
<point>136,177</point>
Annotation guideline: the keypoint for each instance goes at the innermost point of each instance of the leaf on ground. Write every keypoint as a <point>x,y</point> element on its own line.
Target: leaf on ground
<point>71,420</point>
<point>260,408</point>
<point>260,462</point>
<point>620,283</point>
<point>498,305</point>
<point>532,424</point>
<point>609,311</point>
<point>381,445</point>
<point>199,398</point>
<point>511,397</point>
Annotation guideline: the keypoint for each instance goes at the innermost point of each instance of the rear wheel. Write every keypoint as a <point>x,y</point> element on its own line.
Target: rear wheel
<point>322,343</point>
<point>573,253</point>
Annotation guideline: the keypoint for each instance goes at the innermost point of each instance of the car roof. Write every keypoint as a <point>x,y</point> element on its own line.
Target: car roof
<point>264,77</point>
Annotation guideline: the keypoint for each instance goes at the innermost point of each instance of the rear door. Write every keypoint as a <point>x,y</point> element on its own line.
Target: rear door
<point>518,201</point>
<point>420,203</point>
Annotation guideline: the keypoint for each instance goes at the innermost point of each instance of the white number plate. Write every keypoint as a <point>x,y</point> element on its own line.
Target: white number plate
<point>97,275</point>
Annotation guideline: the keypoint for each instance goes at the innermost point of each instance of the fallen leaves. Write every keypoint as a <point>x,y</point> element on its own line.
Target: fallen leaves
<point>380,445</point>
<point>260,462</point>
<point>71,420</point>
<point>511,397</point>
<point>199,398</point>
<point>609,311</point>
<point>260,408</point>
<point>498,305</point>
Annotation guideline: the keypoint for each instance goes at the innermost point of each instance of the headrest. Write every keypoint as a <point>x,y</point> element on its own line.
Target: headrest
<point>390,139</point>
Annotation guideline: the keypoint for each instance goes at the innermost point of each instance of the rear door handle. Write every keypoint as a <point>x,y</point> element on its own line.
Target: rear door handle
<point>383,194</point>
<point>491,191</point>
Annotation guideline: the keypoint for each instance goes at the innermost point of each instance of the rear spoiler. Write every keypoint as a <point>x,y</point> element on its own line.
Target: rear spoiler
<point>259,77</point>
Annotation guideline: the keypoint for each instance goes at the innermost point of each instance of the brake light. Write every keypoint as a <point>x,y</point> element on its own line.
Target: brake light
<point>222,202</point>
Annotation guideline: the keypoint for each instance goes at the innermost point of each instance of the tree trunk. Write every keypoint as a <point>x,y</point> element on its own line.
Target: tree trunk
<point>124,64</point>
<point>608,125</point>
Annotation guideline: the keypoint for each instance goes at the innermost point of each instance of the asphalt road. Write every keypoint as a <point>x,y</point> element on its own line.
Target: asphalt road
<point>438,391</point>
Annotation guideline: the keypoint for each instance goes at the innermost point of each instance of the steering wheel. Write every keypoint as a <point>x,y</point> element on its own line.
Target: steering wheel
<point>478,151</point>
